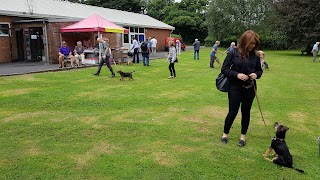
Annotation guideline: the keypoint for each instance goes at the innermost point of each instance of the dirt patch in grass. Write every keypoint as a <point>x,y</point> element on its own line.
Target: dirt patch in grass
<point>32,148</point>
<point>214,111</point>
<point>185,149</point>
<point>89,119</point>
<point>28,115</point>
<point>164,159</point>
<point>17,92</point>
<point>97,150</point>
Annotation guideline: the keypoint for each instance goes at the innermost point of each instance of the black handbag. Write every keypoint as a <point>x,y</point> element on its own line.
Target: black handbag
<point>222,83</point>
<point>176,60</point>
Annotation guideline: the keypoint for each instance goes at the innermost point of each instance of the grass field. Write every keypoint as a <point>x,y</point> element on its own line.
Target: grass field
<point>73,125</point>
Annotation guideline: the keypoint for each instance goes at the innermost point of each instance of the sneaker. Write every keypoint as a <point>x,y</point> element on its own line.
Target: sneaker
<point>241,143</point>
<point>224,140</point>
<point>112,76</point>
<point>170,77</point>
<point>96,74</point>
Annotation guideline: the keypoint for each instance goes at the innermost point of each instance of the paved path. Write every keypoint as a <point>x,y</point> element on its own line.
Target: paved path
<point>18,68</point>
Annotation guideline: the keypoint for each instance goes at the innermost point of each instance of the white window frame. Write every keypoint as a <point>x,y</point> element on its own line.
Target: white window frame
<point>9,33</point>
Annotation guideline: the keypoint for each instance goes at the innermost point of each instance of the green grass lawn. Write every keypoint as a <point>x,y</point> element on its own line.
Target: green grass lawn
<point>73,125</point>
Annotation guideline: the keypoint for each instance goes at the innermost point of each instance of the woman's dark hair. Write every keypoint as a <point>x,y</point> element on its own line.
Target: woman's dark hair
<point>245,40</point>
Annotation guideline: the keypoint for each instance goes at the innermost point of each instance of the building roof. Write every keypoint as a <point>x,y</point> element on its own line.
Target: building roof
<point>56,9</point>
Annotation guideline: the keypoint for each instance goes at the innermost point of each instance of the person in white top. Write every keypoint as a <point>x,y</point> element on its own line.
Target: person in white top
<point>135,47</point>
<point>154,45</point>
<point>172,56</point>
<point>178,47</point>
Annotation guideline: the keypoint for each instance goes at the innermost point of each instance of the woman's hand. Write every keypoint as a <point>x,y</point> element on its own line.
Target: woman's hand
<point>253,76</point>
<point>242,77</point>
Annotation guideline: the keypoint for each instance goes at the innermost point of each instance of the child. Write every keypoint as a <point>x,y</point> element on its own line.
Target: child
<point>262,61</point>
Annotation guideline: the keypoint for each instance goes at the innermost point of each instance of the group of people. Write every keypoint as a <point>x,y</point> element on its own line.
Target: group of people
<point>65,54</point>
<point>147,47</point>
<point>214,58</point>
<point>242,65</point>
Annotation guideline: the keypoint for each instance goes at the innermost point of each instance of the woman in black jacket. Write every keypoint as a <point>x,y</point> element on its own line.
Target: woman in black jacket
<point>242,66</point>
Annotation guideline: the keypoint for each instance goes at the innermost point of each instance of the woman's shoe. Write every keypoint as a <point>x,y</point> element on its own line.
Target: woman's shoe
<point>224,140</point>
<point>241,143</point>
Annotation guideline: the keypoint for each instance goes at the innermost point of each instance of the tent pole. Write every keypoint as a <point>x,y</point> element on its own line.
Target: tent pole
<point>99,47</point>
<point>60,40</point>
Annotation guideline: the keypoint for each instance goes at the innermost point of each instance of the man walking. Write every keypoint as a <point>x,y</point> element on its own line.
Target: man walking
<point>196,47</point>
<point>105,55</point>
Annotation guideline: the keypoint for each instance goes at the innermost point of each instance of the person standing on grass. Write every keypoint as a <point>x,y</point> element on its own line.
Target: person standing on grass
<point>105,55</point>
<point>242,66</point>
<point>145,53</point>
<point>135,47</point>
<point>213,53</point>
<point>172,56</point>
<point>315,50</point>
<point>196,48</point>
<point>178,47</point>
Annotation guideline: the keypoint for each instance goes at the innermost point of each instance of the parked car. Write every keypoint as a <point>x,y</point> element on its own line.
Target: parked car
<point>168,39</point>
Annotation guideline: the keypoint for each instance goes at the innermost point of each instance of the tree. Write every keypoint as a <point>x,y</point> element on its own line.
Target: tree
<point>299,20</point>
<point>155,8</point>
<point>229,19</point>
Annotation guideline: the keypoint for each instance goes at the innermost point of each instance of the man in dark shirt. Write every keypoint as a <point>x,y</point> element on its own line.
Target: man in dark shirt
<point>196,47</point>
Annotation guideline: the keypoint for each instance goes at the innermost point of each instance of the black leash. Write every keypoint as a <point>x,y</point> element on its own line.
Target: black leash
<point>255,91</point>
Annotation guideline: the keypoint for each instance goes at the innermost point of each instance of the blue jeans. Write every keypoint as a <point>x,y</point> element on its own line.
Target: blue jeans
<point>196,52</point>
<point>145,59</point>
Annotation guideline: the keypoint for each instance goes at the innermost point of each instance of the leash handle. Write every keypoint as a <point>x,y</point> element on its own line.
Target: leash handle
<point>255,92</point>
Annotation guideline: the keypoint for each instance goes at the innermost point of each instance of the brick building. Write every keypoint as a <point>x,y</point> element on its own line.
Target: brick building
<point>30,30</point>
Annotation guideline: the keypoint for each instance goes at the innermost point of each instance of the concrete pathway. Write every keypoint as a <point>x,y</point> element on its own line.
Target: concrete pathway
<point>19,68</point>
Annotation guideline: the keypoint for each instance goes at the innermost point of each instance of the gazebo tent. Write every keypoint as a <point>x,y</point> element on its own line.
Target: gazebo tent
<point>94,23</point>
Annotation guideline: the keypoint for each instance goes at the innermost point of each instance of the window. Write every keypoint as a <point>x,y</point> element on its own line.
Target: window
<point>126,38</point>
<point>4,29</point>
<point>141,30</point>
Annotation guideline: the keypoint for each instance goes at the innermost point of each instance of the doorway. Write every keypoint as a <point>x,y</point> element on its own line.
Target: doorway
<point>20,40</point>
<point>36,43</point>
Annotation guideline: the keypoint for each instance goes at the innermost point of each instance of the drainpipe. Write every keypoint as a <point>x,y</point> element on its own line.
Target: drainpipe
<point>47,44</point>
<point>171,33</point>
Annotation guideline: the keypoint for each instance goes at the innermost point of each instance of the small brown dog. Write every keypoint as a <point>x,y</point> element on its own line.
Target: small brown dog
<point>125,74</point>
<point>282,156</point>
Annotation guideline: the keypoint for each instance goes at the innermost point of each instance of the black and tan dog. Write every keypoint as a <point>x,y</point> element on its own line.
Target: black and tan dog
<point>282,156</point>
<point>125,74</point>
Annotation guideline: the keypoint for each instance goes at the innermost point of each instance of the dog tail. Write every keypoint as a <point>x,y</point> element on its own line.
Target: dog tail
<point>299,170</point>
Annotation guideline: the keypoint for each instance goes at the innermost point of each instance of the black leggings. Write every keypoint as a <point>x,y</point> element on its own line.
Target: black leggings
<point>172,70</point>
<point>239,95</point>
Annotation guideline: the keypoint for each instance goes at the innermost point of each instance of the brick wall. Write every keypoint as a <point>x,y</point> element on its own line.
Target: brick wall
<point>160,35</point>
<point>6,42</point>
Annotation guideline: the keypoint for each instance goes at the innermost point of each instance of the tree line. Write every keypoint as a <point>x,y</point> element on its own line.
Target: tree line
<point>281,24</point>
